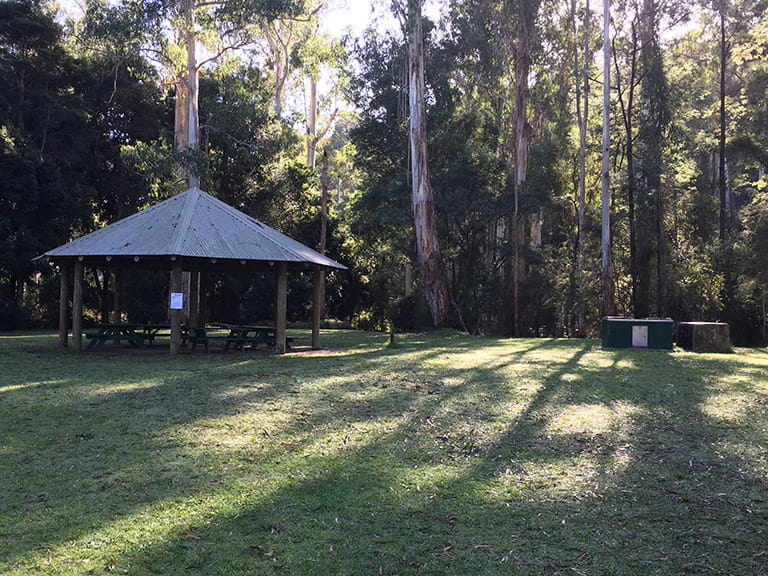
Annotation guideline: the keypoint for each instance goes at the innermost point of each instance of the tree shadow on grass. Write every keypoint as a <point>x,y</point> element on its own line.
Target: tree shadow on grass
<point>648,492</point>
<point>661,490</point>
<point>105,446</point>
<point>577,464</point>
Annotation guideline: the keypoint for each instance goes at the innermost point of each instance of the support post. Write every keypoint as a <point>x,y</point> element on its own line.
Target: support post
<point>194,299</point>
<point>176,313</point>
<point>64,288</point>
<point>281,307</point>
<point>202,312</point>
<point>77,307</point>
<point>118,291</point>
<point>318,279</point>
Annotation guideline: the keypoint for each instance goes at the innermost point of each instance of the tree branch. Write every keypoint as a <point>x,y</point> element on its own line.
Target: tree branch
<point>222,52</point>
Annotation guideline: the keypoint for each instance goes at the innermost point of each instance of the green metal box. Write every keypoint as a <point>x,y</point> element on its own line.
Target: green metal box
<point>638,332</point>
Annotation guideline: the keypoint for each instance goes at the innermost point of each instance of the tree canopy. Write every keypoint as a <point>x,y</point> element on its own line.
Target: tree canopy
<point>89,112</point>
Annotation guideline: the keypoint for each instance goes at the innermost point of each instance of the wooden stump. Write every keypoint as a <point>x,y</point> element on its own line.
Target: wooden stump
<point>704,336</point>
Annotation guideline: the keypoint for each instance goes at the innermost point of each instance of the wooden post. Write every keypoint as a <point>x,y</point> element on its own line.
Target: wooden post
<point>194,299</point>
<point>64,287</point>
<point>118,291</point>
<point>202,312</point>
<point>281,307</point>
<point>77,307</point>
<point>318,278</point>
<point>175,313</point>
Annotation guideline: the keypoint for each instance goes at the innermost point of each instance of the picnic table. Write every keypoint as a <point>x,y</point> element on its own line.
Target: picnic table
<point>137,335</point>
<point>116,333</point>
<point>237,336</point>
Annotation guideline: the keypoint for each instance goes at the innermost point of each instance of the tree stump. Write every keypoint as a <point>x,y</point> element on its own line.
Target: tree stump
<point>704,336</point>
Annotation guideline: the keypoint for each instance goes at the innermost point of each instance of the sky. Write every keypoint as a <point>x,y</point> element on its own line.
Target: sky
<point>356,15</point>
<point>344,16</point>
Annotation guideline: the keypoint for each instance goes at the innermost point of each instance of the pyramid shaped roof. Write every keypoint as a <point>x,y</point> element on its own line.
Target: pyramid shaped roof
<point>192,224</point>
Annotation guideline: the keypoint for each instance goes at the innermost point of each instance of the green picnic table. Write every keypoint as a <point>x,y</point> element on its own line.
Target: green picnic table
<point>238,336</point>
<point>137,335</point>
<point>116,333</point>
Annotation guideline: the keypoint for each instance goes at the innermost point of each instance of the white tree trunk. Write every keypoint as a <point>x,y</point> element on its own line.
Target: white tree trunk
<point>522,148</point>
<point>193,139</point>
<point>581,71</point>
<point>312,123</point>
<point>427,245</point>
<point>609,299</point>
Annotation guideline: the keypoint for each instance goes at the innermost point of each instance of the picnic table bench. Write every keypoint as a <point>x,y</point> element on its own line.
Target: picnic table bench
<point>238,336</point>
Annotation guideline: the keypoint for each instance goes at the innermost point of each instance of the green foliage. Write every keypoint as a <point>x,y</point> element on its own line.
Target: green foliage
<point>755,238</point>
<point>46,141</point>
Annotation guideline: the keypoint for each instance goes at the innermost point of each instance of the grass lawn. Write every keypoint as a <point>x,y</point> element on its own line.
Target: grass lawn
<point>444,455</point>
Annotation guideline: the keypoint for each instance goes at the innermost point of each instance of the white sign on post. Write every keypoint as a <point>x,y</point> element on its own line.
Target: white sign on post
<point>177,300</point>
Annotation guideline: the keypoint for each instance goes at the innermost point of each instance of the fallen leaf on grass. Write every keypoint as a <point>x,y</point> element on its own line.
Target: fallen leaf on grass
<point>274,527</point>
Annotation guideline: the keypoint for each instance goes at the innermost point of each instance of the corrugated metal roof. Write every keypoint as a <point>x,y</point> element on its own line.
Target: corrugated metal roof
<point>192,224</point>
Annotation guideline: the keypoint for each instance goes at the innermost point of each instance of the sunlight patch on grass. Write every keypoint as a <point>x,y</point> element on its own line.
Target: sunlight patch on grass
<point>118,388</point>
<point>113,546</point>
<point>593,419</point>
<point>27,385</point>
<point>608,359</point>
<point>729,406</point>
<point>565,479</point>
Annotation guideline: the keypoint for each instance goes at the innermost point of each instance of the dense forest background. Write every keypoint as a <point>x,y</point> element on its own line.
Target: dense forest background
<point>513,116</point>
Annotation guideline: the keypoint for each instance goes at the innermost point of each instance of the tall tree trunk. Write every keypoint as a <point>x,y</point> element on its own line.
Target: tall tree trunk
<point>427,245</point>
<point>581,72</point>
<point>722,181</point>
<point>181,117</point>
<point>312,123</point>
<point>629,147</point>
<point>609,298</point>
<point>186,123</point>
<point>280,39</point>
<point>661,256</point>
<point>527,10</point>
<point>193,140</point>
<point>653,121</point>
<point>323,226</point>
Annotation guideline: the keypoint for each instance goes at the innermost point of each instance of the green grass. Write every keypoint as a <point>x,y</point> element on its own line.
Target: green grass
<point>443,455</point>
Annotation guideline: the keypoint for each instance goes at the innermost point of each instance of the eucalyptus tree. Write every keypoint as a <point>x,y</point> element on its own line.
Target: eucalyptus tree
<point>168,32</point>
<point>607,280</point>
<point>526,12</point>
<point>285,38</point>
<point>321,57</point>
<point>642,91</point>
<point>581,82</point>
<point>428,250</point>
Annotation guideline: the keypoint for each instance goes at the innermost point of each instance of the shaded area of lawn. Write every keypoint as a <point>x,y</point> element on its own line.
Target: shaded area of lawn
<point>445,455</point>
